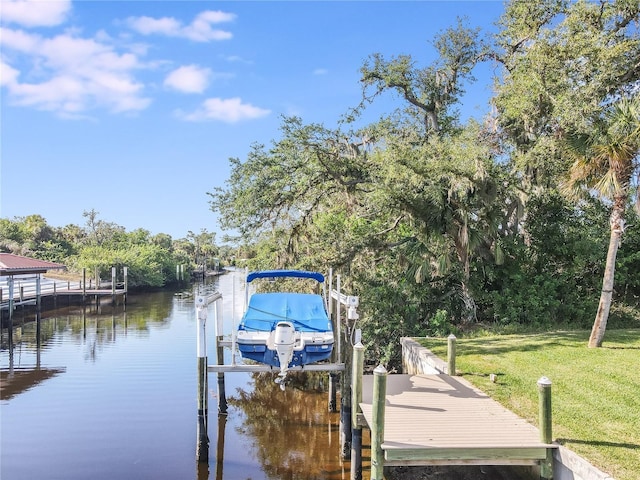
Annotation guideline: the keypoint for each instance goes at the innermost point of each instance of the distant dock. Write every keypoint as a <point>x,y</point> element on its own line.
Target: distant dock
<point>33,293</point>
<point>26,293</point>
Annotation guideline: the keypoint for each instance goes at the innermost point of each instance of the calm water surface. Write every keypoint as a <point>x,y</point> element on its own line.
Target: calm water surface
<point>111,394</point>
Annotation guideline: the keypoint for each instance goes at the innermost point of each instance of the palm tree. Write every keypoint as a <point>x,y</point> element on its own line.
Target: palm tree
<point>606,162</point>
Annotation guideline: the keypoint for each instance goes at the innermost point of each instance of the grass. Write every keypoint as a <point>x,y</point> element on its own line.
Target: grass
<point>595,391</point>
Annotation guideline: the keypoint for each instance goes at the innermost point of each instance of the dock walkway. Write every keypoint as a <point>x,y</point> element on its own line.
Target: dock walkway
<point>443,420</point>
<point>27,294</point>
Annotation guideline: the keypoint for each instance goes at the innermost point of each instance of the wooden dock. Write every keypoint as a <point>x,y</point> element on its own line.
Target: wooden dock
<point>443,420</point>
<point>30,296</point>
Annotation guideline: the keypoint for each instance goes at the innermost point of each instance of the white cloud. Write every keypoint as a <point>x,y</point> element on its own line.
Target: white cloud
<point>236,59</point>
<point>230,110</point>
<point>35,13</point>
<point>188,79</point>
<point>68,75</point>
<point>199,30</point>
<point>19,40</point>
<point>8,75</point>
<point>149,26</point>
<point>216,16</point>
<point>320,71</point>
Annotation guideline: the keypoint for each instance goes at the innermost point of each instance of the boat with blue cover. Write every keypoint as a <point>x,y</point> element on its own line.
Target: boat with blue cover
<point>285,329</point>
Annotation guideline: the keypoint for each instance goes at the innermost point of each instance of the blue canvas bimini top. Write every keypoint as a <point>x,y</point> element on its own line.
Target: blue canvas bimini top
<point>305,310</point>
<point>318,277</point>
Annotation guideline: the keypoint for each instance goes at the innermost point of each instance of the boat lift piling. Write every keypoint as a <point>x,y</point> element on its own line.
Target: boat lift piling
<point>202,450</point>
<point>352,335</point>
<point>202,304</point>
<point>222,396</point>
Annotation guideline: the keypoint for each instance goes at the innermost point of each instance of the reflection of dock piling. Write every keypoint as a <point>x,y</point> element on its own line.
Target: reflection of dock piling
<point>222,424</point>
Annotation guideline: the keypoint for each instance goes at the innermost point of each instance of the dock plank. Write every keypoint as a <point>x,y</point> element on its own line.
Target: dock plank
<point>438,419</point>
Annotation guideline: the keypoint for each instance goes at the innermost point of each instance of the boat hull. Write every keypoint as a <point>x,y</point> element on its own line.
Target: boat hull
<point>262,354</point>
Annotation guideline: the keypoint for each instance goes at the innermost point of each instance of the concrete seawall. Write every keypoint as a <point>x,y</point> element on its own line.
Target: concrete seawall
<point>418,360</point>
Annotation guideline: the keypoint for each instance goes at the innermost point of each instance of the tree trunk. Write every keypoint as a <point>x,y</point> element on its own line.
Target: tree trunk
<point>617,228</point>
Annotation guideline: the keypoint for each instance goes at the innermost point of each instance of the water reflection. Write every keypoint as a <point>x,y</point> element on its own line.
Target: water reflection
<point>32,334</point>
<point>106,393</point>
<point>202,443</point>
<point>16,381</point>
<point>222,427</point>
<point>294,435</point>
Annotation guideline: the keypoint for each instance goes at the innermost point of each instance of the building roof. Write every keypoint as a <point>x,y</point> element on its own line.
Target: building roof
<point>18,265</point>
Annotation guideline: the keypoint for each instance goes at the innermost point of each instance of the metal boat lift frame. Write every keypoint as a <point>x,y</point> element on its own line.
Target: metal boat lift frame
<point>202,303</point>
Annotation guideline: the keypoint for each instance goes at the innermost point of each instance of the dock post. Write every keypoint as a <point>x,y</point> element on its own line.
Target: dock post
<point>338,321</point>
<point>202,452</point>
<point>333,392</point>
<point>345,386</point>
<point>222,395</point>
<point>38,297</point>
<point>126,284</point>
<point>333,377</point>
<point>544,403</point>
<point>113,286</point>
<point>96,298</point>
<point>84,285</point>
<point>451,355</point>
<point>377,422</point>
<point>10,280</point>
<point>356,399</point>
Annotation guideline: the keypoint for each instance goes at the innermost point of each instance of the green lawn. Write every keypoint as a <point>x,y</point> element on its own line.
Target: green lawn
<point>595,391</point>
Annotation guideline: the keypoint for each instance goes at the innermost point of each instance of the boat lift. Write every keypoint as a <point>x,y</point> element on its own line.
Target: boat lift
<point>202,303</point>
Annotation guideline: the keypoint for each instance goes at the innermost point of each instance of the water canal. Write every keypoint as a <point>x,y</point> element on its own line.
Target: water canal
<point>111,394</point>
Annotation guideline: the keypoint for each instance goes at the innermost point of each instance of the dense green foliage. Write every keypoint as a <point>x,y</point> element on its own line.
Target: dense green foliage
<point>438,224</point>
<point>98,246</point>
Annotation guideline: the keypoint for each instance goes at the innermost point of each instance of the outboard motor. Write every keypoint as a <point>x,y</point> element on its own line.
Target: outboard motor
<point>284,340</point>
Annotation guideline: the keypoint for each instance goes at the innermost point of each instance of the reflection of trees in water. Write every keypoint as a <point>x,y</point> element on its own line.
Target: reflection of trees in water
<point>295,435</point>
<point>104,322</point>
<point>85,325</point>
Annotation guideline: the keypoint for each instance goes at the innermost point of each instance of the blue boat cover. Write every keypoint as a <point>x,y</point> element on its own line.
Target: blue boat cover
<point>305,310</point>
<point>318,277</point>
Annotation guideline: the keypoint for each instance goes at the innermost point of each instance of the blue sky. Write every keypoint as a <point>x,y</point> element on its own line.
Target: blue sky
<point>133,108</point>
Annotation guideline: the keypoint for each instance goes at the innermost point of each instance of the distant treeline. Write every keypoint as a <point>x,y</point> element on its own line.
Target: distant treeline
<point>98,246</point>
